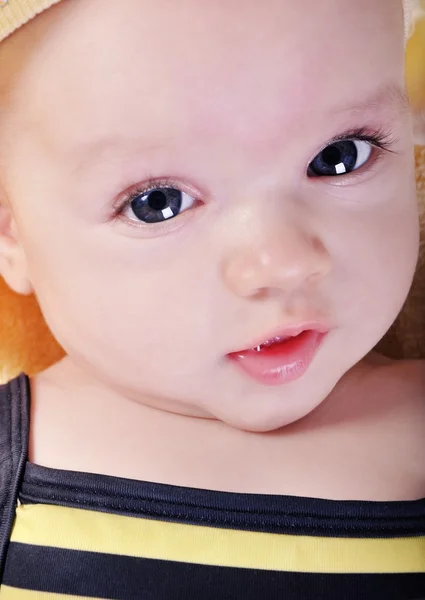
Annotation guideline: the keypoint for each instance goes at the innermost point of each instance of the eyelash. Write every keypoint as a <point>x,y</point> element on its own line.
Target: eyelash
<point>381,140</point>
<point>152,184</point>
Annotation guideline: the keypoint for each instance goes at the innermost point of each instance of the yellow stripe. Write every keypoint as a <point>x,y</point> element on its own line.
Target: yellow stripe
<point>92,531</point>
<point>10,593</point>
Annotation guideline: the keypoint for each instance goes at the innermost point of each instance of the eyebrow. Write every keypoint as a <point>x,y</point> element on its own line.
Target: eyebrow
<point>387,95</point>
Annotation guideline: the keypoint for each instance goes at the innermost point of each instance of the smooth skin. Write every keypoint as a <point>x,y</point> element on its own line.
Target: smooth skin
<point>228,101</point>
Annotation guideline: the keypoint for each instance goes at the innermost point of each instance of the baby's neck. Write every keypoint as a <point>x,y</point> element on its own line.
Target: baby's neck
<point>343,450</point>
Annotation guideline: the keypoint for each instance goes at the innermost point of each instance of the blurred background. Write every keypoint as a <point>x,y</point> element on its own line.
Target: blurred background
<point>415,70</point>
<point>25,341</point>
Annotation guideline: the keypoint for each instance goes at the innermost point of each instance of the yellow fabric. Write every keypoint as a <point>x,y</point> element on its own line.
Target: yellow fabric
<point>415,75</point>
<point>90,531</point>
<point>8,593</point>
<point>15,13</point>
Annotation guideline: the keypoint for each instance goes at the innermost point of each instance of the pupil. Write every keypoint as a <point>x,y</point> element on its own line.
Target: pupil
<point>158,205</point>
<point>332,155</point>
<point>157,200</point>
<point>339,153</point>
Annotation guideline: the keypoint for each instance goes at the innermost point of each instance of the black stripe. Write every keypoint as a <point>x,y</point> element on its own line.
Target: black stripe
<point>251,512</point>
<point>117,577</point>
<point>14,429</point>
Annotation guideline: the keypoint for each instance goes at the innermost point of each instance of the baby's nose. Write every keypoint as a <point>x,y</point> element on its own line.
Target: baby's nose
<point>286,262</point>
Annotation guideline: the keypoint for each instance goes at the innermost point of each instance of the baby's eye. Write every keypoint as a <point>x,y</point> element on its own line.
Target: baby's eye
<point>157,205</point>
<point>340,157</point>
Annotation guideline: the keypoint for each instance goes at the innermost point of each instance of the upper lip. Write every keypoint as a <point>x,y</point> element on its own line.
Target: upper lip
<point>287,332</point>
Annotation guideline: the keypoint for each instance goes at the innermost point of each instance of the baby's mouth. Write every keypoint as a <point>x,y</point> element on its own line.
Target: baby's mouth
<point>282,358</point>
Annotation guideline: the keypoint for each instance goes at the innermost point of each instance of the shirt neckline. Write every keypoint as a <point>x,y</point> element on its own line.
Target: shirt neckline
<point>258,512</point>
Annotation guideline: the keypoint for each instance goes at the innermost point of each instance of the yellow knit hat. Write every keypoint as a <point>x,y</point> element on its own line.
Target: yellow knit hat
<point>15,13</point>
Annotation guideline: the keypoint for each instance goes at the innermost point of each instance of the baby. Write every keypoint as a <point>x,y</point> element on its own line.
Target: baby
<point>214,203</point>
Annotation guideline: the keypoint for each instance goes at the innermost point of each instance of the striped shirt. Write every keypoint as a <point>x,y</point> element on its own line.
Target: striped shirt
<point>80,535</point>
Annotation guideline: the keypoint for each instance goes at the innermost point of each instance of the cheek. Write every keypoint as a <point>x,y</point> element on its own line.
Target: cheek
<point>377,261</point>
<point>121,301</point>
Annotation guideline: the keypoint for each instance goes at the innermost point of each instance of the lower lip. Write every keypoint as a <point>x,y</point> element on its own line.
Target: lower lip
<point>282,362</point>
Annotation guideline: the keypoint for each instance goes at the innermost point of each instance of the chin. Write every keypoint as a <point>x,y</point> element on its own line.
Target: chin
<point>257,421</point>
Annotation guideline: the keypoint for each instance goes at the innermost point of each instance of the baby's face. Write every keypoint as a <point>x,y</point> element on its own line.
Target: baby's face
<point>167,167</point>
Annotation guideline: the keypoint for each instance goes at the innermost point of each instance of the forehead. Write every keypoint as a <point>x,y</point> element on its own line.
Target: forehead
<point>238,67</point>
